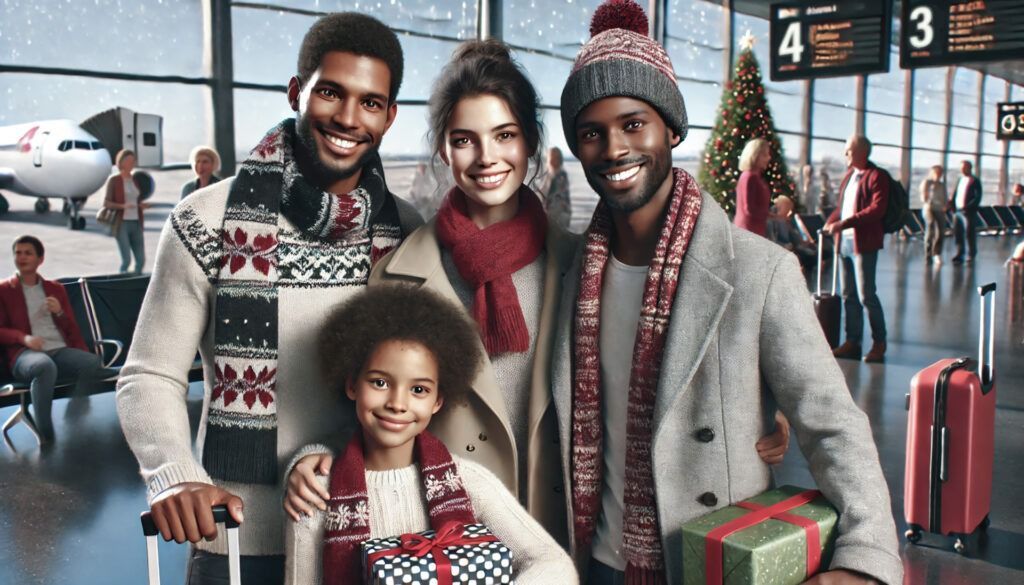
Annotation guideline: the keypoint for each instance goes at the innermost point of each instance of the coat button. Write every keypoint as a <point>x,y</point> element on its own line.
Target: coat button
<point>708,499</point>
<point>705,435</point>
<point>483,437</point>
<point>471,447</point>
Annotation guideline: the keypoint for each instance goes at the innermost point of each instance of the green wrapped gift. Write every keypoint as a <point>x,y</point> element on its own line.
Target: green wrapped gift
<point>766,540</point>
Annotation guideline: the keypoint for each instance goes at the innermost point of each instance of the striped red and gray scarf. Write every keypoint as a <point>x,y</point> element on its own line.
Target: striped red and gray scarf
<point>348,515</point>
<point>641,539</point>
<point>356,228</point>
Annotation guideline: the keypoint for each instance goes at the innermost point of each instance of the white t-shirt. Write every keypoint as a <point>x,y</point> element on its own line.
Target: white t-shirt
<point>40,318</point>
<point>850,199</point>
<point>961,192</point>
<point>621,299</point>
<point>131,197</point>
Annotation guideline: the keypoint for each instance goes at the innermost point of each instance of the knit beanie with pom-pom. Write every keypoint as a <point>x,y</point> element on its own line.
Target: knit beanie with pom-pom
<point>620,59</point>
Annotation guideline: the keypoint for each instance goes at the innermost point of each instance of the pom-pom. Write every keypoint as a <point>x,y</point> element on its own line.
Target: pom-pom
<point>624,14</point>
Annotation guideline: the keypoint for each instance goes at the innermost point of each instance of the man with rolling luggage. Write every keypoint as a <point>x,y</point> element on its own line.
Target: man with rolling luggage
<point>858,226</point>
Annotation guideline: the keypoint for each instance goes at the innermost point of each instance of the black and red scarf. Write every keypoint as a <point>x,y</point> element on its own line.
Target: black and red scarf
<point>241,431</point>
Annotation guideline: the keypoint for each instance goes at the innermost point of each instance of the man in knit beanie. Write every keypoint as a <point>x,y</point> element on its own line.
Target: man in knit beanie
<point>246,272</point>
<point>658,428</point>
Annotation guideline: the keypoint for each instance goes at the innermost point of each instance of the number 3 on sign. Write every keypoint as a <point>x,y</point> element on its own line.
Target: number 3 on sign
<point>791,45</point>
<point>925,33</point>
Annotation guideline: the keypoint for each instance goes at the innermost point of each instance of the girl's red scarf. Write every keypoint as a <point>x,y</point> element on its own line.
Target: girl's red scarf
<point>348,515</point>
<point>487,258</point>
<point>641,539</point>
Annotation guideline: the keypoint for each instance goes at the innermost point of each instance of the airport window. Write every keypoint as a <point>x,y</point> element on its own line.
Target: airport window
<point>149,139</point>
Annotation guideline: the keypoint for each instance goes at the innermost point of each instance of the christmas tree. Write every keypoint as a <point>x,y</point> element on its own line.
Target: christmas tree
<point>743,115</point>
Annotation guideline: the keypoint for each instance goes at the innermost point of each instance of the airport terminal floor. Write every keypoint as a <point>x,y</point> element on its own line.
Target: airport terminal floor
<point>70,515</point>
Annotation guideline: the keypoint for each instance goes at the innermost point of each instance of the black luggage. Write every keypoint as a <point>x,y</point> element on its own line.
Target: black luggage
<point>828,306</point>
<point>220,516</point>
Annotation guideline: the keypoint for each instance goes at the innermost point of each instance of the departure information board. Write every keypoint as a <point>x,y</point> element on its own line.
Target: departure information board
<point>1010,117</point>
<point>827,39</point>
<point>947,32</point>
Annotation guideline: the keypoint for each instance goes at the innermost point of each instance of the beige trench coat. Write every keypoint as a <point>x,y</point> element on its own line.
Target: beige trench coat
<point>479,429</point>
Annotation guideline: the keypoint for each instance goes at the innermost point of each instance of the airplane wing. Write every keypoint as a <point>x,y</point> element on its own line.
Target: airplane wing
<point>6,178</point>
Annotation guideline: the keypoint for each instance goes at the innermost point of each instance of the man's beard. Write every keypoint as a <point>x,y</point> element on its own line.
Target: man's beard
<point>327,173</point>
<point>657,168</point>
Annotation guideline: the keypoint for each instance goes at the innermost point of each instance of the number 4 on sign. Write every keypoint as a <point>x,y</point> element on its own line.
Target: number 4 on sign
<point>791,45</point>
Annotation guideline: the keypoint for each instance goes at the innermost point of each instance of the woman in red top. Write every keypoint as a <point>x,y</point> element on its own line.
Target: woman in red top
<point>753,196</point>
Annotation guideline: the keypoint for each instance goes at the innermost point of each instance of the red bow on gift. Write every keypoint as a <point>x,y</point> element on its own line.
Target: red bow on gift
<point>419,545</point>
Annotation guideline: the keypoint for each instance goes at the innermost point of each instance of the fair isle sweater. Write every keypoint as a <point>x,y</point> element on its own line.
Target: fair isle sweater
<point>397,506</point>
<point>177,318</point>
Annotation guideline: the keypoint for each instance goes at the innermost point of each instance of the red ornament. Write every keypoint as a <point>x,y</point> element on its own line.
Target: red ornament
<point>746,116</point>
<point>624,14</point>
<point>714,173</point>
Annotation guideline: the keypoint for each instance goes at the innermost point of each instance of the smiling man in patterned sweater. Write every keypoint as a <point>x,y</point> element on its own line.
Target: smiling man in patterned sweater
<point>246,271</point>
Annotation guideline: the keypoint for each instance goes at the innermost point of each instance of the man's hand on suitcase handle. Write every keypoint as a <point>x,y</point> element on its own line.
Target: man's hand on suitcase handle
<point>182,512</point>
<point>840,577</point>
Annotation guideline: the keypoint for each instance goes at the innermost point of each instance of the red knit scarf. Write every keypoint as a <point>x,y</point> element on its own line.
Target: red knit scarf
<point>487,258</point>
<point>641,539</point>
<point>348,514</point>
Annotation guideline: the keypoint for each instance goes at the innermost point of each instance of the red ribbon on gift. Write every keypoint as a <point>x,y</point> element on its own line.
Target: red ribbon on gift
<point>418,545</point>
<point>715,539</point>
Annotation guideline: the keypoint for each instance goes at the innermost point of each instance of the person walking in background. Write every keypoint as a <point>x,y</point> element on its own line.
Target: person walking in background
<point>205,163</point>
<point>965,217</point>
<point>753,195</point>
<point>809,189</point>
<point>857,222</point>
<point>39,335</point>
<point>825,189</point>
<point>124,196</point>
<point>555,189</point>
<point>934,203</point>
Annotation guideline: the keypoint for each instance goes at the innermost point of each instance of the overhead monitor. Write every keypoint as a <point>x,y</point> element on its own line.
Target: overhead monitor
<point>947,32</point>
<point>829,39</point>
<point>1010,120</point>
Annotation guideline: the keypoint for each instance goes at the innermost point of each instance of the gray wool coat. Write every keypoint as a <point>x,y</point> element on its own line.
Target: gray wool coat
<point>743,339</point>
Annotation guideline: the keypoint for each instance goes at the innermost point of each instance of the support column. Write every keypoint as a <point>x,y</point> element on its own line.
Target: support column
<point>1004,167</point>
<point>489,20</point>
<point>806,121</point>
<point>658,21</point>
<point>947,135</point>
<point>978,143</point>
<point>907,160</point>
<point>862,95</point>
<point>220,64</point>
<point>728,39</point>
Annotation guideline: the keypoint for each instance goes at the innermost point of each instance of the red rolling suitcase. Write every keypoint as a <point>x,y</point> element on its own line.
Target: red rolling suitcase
<point>828,306</point>
<point>947,485</point>
<point>220,516</point>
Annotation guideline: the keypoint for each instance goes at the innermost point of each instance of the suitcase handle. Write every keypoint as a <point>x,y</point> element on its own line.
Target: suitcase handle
<point>986,335</point>
<point>220,516</point>
<point>821,265</point>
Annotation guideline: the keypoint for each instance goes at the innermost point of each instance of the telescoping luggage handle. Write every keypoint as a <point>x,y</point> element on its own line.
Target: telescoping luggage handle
<point>220,516</point>
<point>986,335</point>
<point>835,262</point>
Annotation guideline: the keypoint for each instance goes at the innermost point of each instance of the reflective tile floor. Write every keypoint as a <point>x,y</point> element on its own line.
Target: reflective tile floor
<point>71,515</point>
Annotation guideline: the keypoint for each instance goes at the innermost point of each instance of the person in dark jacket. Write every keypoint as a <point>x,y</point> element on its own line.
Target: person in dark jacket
<point>857,225</point>
<point>205,163</point>
<point>39,335</point>
<point>966,200</point>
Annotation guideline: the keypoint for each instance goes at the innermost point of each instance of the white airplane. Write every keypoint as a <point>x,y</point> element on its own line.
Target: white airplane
<point>52,159</point>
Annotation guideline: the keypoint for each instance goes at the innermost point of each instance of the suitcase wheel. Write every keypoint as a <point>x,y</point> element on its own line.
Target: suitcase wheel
<point>913,535</point>
<point>959,545</point>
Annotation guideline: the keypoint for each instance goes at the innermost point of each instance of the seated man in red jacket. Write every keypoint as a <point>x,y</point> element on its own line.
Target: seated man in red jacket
<point>39,335</point>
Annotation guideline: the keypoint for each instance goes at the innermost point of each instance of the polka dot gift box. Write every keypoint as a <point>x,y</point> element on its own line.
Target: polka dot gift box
<point>456,554</point>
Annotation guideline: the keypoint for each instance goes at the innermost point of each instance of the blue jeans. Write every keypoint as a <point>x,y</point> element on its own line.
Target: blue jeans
<point>858,280</point>
<point>211,569</point>
<point>42,369</point>
<point>130,241</point>
<point>965,226</point>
